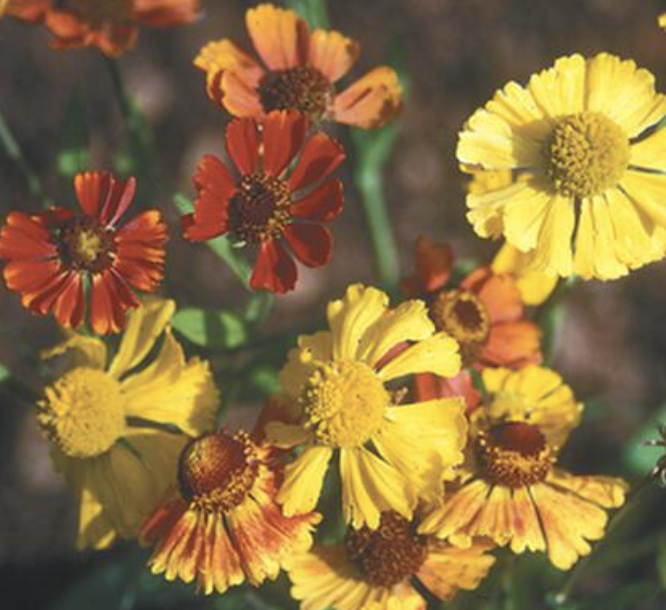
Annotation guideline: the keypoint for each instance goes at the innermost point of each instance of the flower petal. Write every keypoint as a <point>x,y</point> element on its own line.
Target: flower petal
<point>303,480</point>
<point>311,243</point>
<point>332,53</point>
<point>323,204</point>
<point>274,269</point>
<point>437,354</point>
<point>283,137</point>
<point>320,157</point>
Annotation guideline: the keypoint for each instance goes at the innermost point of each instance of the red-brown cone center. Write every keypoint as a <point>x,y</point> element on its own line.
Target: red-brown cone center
<point>217,471</point>
<point>85,245</point>
<point>260,207</point>
<point>390,554</point>
<point>515,454</point>
<point>303,88</point>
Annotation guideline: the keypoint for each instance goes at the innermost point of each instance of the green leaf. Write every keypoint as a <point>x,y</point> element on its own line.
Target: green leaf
<point>266,379</point>
<point>4,373</point>
<point>209,328</point>
<point>313,11</point>
<point>638,457</point>
<point>73,151</point>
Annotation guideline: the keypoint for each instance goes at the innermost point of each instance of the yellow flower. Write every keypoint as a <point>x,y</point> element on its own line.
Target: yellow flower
<point>3,7</point>
<point>378,569</point>
<point>112,425</point>
<point>662,20</point>
<point>511,491</point>
<point>590,198</point>
<point>336,384</point>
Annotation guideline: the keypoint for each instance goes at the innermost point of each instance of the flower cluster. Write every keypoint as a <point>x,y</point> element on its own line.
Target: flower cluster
<point>425,433</point>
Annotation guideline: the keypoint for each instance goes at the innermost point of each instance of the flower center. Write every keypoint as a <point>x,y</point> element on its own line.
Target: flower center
<point>390,554</point>
<point>515,454</point>
<point>85,245</point>
<point>98,12</point>
<point>344,404</point>
<point>464,316</point>
<point>260,207</point>
<point>586,153</point>
<point>303,88</point>
<point>83,412</point>
<point>216,471</point>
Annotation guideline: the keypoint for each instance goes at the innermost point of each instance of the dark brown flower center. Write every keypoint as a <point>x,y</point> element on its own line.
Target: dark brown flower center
<point>463,315</point>
<point>303,88</point>
<point>216,471</point>
<point>390,554</point>
<point>515,454</point>
<point>98,12</point>
<point>260,207</point>
<point>85,245</point>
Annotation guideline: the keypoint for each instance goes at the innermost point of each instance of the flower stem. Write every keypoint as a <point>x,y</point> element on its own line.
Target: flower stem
<point>15,154</point>
<point>629,506</point>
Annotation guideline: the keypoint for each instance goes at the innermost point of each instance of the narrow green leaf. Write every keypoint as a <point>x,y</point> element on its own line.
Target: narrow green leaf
<point>213,329</point>
<point>73,151</point>
<point>638,457</point>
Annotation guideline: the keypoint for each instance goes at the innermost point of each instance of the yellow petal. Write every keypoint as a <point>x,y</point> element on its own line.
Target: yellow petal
<point>174,391</point>
<point>95,530</point>
<point>437,354</point>
<point>626,94</point>
<point>650,152</point>
<point>648,192</point>
<point>407,322</point>
<point>303,480</point>
<point>553,251</point>
<point>606,492</point>
<point>371,486</point>
<point>286,436</point>
<point>350,317</point>
<point>303,359</point>
<point>84,351</point>
<point>560,90</point>
<point>145,325</point>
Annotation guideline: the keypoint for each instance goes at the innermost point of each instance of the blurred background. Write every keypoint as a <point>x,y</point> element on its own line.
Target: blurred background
<point>611,346</point>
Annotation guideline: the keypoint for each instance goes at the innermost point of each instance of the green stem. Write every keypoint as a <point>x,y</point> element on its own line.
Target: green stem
<point>15,154</point>
<point>629,506</point>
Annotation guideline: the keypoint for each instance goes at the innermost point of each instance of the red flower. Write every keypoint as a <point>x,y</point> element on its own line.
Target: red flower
<point>55,258</point>
<point>110,25</point>
<point>273,195</point>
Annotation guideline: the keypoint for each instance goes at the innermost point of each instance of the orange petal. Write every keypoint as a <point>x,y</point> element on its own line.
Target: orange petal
<point>513,344</point>
<point>499,294</point>
<point>434,262</point>
<point>166,13</point>
<point>370,102</point>
<point>332,53</point>
<point>237,97</point>
<point>279,35</point>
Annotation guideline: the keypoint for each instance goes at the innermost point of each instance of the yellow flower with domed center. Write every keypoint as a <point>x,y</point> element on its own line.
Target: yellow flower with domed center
<point>114,427</point>
<point>511,490</point>
<point>343,388</point>
<point>591,194</point>
<point>381,569</point>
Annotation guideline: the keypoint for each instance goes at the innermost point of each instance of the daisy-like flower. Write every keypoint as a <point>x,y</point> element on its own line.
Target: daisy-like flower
<point>281,191</point>
<point>299,71</point>
<point>379,569</point>
<point>662,20</point>
<point>535,286</point>
<point>110,25</point>
<point>485,313</point>
<point>223,526</point>
<point>55,258</point>
<point>511,490</point>
<point>114,425</point>
<point>335,385</point>
<point>590,200</point>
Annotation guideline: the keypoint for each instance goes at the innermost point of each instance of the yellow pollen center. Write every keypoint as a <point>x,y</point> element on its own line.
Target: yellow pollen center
<point>390,554</point>
<point>85,245</point>
<point>302,88</point>
<point>586,153</point>
<point>217,471</point>
<point>98,12</point>
<point>515,454</point>
<point>463,315</point>
<point>83,412</point>
<point>344,404</point>
<point>88,246</point>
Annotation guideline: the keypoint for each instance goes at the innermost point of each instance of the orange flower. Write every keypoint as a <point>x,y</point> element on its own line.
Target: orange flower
<point>381,569</point>
<point>299,72</point>
<point>511,491</point>
<point>223,526</point>
<point>111,25</point>
<point>281,191</point>
<point>54,256</point>
<point>484,313</point>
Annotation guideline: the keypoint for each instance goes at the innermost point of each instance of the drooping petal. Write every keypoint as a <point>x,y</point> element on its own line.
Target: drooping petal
<point>274,269</point>
<point>320,157</point>
<point>311,243</point>
<point>303,480</point>
<point>323,204</point>
<point>513,344</point>
<point>239,99</point>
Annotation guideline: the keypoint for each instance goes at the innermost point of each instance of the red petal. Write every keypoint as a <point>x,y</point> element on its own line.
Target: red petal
<point>284,135</point>
<point>242,137</point>
<point>323,204</point>
<point>91,188</point>
<point>25,236</point>
<point>120,197</point>
<point>111,297</point>
<point>310,243</point>
<point>434,262</point>
<point>213,175</point>
<point>274,270</point>
<point>27,275</point>
<point>69,308</point>
<point>319,159</point>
